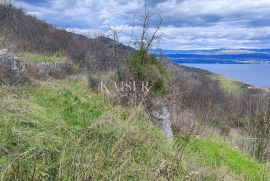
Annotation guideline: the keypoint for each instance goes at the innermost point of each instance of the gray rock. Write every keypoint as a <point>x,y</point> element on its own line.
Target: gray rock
<point>12,69</point>
<point>162,117</point>
<point>57,70</point>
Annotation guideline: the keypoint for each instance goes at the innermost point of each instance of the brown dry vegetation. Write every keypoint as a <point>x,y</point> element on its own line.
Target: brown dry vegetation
<point>25,33</point>
<point>198,103</point>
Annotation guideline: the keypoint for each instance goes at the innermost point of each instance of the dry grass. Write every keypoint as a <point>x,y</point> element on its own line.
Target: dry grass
<point>60,130</point>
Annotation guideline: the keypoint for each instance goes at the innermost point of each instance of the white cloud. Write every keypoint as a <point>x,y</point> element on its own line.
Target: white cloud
<point>188,24</point>
<point>205,12</point>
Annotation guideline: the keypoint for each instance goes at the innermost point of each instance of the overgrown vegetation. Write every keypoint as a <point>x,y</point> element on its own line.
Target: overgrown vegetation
<point>59,57</point>
<point>60,130</point>
<point>144,65</point>
<point>148,68</point>
<point>25,33</point>
<point>229,85</point>
<point>227,107</point>
<point>218,154</point>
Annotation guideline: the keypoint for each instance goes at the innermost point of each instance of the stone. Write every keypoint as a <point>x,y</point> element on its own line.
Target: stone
<point>162,118</point>
<point>57,70</point>
<point>12,69</point>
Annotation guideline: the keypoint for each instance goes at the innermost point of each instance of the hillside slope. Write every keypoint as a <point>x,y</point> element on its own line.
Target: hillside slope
<point>58,129</point>
<point>25,33</point>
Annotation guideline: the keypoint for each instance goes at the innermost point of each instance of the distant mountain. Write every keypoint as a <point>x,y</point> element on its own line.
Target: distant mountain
<point>217,56</point>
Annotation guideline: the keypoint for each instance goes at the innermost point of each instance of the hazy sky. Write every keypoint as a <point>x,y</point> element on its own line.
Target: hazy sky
<point>187,24</point>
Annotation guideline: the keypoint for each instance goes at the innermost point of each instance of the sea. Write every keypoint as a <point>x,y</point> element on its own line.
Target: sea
<point>253,74</point>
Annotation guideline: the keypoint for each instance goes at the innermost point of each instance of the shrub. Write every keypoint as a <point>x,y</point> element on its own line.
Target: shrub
<point>60,53</point>
<point>93,82</point>
<point>147,67</point>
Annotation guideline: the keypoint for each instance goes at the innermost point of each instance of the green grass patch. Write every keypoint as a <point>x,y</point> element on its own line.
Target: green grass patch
<point>229,85</point>
<point>71,104</point>
<point>39,58</point>
<point>216,153</point>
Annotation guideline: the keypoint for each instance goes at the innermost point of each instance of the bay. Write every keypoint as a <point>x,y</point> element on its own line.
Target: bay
<point>254,74</point>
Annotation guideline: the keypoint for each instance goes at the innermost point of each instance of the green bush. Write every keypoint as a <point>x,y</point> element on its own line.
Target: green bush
<point>94,81</point>
<point>147,67</point>
<point>60,53</point>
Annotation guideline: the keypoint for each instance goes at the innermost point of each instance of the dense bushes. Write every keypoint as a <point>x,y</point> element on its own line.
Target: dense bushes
<point>251,112</point>
<point>146,67</point>
<point>210,104</point>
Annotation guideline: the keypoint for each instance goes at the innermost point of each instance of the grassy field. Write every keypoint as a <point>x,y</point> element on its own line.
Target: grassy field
<point>229,85</point>
<point>59,130</point>
<point>59,57</point>
<point>218,155</point>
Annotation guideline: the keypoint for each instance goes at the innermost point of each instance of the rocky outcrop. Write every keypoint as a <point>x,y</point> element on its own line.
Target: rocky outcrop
<point>158,108</point>
<point>57,70</point>
<point>12,69</point>
<point>162,118</point>
<point>160,114</point>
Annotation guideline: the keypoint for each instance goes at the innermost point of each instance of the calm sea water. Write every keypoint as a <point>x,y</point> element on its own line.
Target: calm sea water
<point>254,74</point>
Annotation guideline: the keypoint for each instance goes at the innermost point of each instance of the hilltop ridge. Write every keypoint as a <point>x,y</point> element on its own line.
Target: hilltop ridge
<point>25,33</point>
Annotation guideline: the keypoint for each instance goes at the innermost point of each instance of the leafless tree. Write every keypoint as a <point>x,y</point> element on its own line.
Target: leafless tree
<point>147,38</point>
<point>114,30</point>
